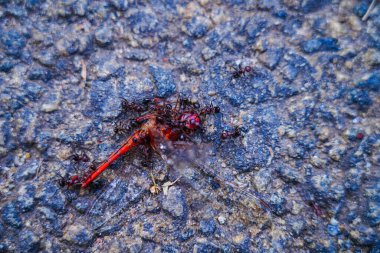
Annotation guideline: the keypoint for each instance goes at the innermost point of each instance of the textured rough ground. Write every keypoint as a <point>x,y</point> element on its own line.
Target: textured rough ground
<point>309,112</point>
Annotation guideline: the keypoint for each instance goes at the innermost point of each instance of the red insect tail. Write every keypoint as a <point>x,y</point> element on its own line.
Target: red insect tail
<point>134,140</point>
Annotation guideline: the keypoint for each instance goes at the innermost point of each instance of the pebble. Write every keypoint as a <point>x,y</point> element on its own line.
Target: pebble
<point>45,57</point>
<point>163,80</point>
<point>175,203</point>
<point>27,171</point>
<point>78,234</point>
<point>13,43</point>
<point>363,235</point>
<point>68,46</point>
<point>107,67</point>
<point>142,22</point>
<point>309,6</point>
<point>51,196</point>
<point>373,212</point>
<point>104,36</point>
<point>40,74</point>
<point>52,223</point>
<point>271,57</point>
<point>121,5</point>
<point>221,219</point>
<point>207,226</point>
<point>360,98</point>
<point>186,235</point>
<point>196,27</point>
<point>29,242</point>
<point>320,44</point>
<point>51,102</point>
<point>372,83</point>
<point>136,55</point>
<point>205,248</point>
<point>25,200</point>
<point>11,215</point>
<point>208,53</point>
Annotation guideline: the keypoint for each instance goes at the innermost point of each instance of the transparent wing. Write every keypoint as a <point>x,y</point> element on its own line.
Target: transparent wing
<point>196,165</point>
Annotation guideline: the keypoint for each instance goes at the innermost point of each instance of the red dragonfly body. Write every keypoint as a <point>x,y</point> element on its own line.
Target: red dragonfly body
<point>170,128</point>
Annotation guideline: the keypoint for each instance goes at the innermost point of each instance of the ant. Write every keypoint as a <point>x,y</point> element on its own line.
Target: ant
<point>76,180</point>
<point>186,102</point>
<point>132,106</point>
<point>210,109</point>
<point>80,157</point>
<point>122,128</point>
<point>73,180</point>
<point>232,134</point>
<point>237,73</point>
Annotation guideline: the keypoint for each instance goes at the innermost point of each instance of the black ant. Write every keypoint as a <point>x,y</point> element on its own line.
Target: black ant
<point>76,180</point>
<point>231,134</point>
<point>237,73</point>
<point>186,102</point>
<point>80,157</point>
<point>132,106</point>
<point>73,180</point>
<point>210,109</point>
<point>122,127</point>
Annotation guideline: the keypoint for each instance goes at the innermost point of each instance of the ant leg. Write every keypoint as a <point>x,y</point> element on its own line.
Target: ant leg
<point>145,117</point>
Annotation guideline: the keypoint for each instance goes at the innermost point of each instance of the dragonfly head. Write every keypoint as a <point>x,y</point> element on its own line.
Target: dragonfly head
<point>190,120</point>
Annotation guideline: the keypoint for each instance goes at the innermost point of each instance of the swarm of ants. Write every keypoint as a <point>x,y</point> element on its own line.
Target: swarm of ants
<point>159,120</point>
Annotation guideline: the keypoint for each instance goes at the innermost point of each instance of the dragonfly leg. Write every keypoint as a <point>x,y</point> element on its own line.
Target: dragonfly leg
<point>154,189</point>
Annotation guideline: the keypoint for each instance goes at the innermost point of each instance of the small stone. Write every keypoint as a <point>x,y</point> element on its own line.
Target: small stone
<point>25,201</point>
<point>6,65</point>
<point>78,234</point>
<point>372,83</point>
<point>208,53</point>
<point>309,6</point>
<point>107,67</point>
<point>103,36</point>
<point>51,222</point>
<point>372,57</point>
<point>205,248</point>
<point>136,55</point>
<point>29,242</point>
<point>363,235</point>
<point>120,5</point>
<point>40,74</point>
<point>27,171</point>
<point>207,227</point>
<point>361,98</point>
<point>333,229</point>
<point>11,215</point>
<point>135,246</point>
<point>51,196</point>
<point>298,226</point>
<point>319,45</point>
<point>45,57</point>
<point>323,133</point>
<point>142,22</point>
<point>373,212</point>
<point>68,46</point>
<point>13,43</point>
<point>271,58</point>
<point>175,203</point>
<point>51,102</point>
<point>221,219</point>
<point>186,235</point>
<point>337,151</point>
<point>288,174</point>
<point>197,27</point>
<point>163,81</point>
<point>360,9</point>
<point>254,28</point>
